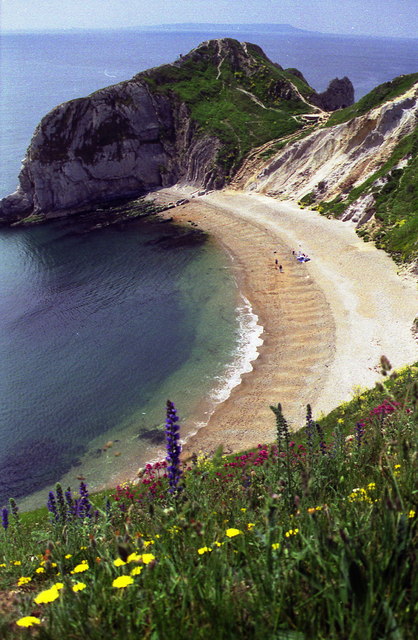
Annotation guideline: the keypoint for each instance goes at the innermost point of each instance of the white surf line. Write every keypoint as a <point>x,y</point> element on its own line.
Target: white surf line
<point>373,307</point>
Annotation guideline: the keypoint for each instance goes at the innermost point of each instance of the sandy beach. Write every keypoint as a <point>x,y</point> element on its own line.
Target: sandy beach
<point>326,322</point>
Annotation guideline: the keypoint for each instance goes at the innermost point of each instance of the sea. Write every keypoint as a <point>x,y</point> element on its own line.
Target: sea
<point>99,329</point>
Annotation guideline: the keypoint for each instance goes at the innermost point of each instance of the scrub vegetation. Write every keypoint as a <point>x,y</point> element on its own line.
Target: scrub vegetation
<point>312,536</point>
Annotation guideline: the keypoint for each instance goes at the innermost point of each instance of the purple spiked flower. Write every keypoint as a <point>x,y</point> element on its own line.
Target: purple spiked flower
<point>4,518</point>
<point>84,505</point>
<point>359,433</point>
<point>52,504</point>
<point>173,447</point>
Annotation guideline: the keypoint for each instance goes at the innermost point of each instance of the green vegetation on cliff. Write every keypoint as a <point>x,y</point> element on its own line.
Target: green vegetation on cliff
<point>381,94</point>
<point>242,100</point>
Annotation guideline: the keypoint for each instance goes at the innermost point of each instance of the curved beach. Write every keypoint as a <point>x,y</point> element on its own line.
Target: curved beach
<point>326,322</point>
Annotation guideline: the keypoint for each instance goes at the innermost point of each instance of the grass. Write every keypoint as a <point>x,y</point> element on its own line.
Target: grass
<point>313,536</point>
<point>214,96</point>
<point>382,93</point>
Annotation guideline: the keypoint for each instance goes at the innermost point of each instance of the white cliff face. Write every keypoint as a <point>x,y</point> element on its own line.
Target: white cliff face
<point>334,160</point>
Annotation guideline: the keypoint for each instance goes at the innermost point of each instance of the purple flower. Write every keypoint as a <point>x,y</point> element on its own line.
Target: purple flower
<point>83,504</point>
<point>173,447</point>
<point>52,504</point>
<point>359,433</point>
<point>4,518</point>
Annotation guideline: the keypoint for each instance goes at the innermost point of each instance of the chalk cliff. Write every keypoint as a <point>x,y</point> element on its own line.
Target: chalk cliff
<point>190,121</point>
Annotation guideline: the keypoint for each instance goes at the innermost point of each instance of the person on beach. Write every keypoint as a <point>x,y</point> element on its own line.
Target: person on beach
<point>280,268</point>
<point>276,262</point>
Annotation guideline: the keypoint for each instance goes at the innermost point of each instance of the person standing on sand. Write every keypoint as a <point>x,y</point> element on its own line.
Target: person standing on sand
<point>280,268</point>
<point>276,262</point>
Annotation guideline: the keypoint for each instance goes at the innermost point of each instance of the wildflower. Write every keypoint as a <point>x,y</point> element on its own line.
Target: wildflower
<point>133,557</point>
<point>309,428</point>
<point>147,558</point>
<point>78,586</point>
<point>17,563</point>
<point>28,621</point>
<point>4,518</point>
<point>250,526</point>
<point>23,580</point>
<point>69,555</point>
<point>136,571</point>
<point>172,433</point>
<point>231,533</point>
<point>371,486</point>
<point>411,514</point>
<point>52,505</point>
<point>243,509</point>
<point>83,505</point>
<point>147,543</point>
<point>122,582</point>
<point>359,433</point>
<point>58,585</point>
<point>49,595</point>
<point>83,566</point>
<point>340,421</point>
<point>275,545</point>
<point>40,570</point>
<point>203,550</point>
<point>3,564</point>
<point>119,562</point>
<point>217,544</point>
<point>14,509</point>
<point>291,532</point>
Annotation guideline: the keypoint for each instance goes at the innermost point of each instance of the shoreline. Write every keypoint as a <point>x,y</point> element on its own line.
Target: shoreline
<point>323,331</point>
<point>271,297</point>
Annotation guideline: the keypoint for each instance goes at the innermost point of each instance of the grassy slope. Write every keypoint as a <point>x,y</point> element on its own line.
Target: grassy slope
<point>219,108</point>
<point>383,93</point>
<point>395,227</point>
<point>315,543</point>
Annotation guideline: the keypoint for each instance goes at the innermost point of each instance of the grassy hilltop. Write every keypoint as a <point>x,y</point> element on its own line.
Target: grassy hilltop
<point>313,536</point>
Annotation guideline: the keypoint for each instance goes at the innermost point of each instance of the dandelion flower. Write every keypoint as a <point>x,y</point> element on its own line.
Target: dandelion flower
<point>147,543</point>
<point>27,621</point>
<point>133,557</point>
<point>275,545</point>
<point>147,558</point>
<point>78,586</point>
<point>40,570</point>
<point>79,568</point>
<point>69,555</point>
<point>58,585</point>
<point>23,580</point>
<point>49,595</point>
<point>203,550</point>
<point>16,563</point>
<point>411,514</point>
<point>119,562</point>
<point>122,582</point>
<point>136,571</point>
<point>250,526</point>
<point>218,544</point>
<point>231,533</point>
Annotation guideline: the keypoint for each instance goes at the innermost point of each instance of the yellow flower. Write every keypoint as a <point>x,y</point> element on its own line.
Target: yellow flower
<point>3,564</point>
<point>83,548</point>
<point>147,558</point>
<point>275,545</point>
<point>136,571</point>
<point>49,595</point>
<point>371,486</point>
<point>243,509</point>
<point>69,555</point>
<point>23,580</point>
<point>203,550</point>
<point>250,526</point>
<point>40,570</point>
<point>231,533</point>
<point>119,562</point>
<point>147,543</point>
<point>83,566</point>
<point>58,585</point>
<point>340,421</point>
<point>218,544</point>
<point>122,582</point>
<point>27,621</point>
<point>133,557</point>
<point>411,514</point>
<point>16,563</point>
<point>78,586</point>
<point>291,532</point>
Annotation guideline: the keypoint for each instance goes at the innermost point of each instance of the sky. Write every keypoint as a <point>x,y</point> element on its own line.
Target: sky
<point>396,18</point>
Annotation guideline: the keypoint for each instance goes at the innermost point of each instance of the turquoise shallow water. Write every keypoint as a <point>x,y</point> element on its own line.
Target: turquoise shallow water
<point>96,332</point>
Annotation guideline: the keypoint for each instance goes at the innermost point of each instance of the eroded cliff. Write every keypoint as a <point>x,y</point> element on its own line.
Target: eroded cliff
<point>192,121</point>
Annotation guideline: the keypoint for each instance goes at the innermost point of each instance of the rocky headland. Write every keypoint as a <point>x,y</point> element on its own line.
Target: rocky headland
<point>191,121</point>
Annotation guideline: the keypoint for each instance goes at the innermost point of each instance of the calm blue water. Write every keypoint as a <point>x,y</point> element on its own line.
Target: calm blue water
<point>97,330</point>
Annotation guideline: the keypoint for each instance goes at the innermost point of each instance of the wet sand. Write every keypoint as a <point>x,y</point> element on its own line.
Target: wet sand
<point>326,322</point>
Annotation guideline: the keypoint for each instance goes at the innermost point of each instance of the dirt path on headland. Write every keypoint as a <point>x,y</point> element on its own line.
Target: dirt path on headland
<point>326,322</point>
